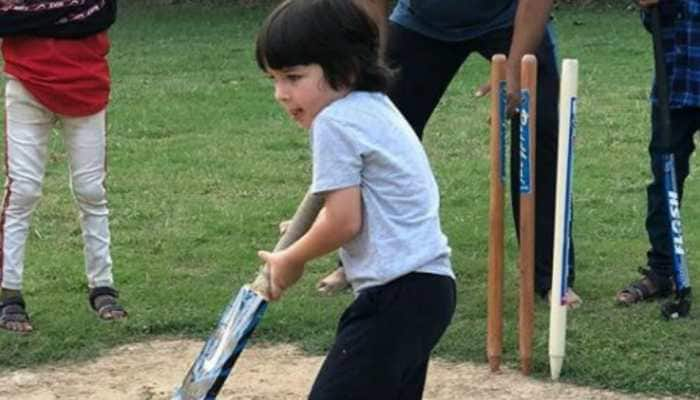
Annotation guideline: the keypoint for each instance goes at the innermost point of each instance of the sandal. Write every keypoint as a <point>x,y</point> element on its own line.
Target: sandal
<point>103,301</point>
<point>13,315</point>
<point>648,287</point>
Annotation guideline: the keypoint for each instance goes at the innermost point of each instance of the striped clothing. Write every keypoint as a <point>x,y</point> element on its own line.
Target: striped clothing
<point>680,21</point>
<point>56,18</point>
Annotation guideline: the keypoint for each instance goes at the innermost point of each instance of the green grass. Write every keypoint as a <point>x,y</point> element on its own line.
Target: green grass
<point>203,166</point>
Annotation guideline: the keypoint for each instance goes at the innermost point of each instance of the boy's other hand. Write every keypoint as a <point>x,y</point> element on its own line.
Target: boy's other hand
<point>284,225</point>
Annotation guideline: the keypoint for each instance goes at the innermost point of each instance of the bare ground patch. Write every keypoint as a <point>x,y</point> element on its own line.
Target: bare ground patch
<point>150,371</point>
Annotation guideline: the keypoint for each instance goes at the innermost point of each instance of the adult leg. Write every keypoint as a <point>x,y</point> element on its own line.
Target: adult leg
<point>85,140</point>
<point>384,340</point>
<point>27,129</point>
<point>425,68</point>
<point>546,164</point>
<point>545,151</point>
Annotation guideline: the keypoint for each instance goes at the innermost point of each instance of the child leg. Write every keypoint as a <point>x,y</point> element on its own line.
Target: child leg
<point>85,141</point>
<point>28,127</point>
<point>385,338</point>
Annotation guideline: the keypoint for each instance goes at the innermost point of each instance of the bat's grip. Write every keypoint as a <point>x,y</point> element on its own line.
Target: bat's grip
<point>303,218</point>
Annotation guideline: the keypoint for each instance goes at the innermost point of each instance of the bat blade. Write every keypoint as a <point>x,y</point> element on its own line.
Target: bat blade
<point>239,319</point>
<point>215,362</point>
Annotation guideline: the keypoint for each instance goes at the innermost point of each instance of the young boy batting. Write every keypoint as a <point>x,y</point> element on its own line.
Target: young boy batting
<point>56,72</point>
<point>381,206</point>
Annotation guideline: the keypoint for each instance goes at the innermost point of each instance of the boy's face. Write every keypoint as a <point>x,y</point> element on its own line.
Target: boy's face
<point>303,91</point>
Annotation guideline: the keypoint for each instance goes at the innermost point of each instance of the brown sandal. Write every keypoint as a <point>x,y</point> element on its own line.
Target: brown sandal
<point>13,315</point>
<point>648,287</point>
<point>103,301</point>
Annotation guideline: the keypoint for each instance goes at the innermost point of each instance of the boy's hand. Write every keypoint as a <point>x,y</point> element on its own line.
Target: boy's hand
<point>648,3</point>
<point>281,272</point>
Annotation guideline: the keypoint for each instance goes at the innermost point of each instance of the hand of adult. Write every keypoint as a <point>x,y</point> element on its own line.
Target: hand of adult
<point>512,88</point>
<point>483,90</point>
<point>513,100</point>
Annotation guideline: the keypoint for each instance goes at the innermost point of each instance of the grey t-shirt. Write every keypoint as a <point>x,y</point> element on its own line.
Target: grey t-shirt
<point>454,20</point>
<point>363,140</point>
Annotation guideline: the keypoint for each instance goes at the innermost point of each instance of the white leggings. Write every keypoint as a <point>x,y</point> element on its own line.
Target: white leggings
<point>28,126</point>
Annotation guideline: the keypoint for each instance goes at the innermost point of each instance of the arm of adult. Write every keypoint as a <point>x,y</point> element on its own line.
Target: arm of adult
<point>339,221</point>
<point>378,10</point>
<point>530,20</point>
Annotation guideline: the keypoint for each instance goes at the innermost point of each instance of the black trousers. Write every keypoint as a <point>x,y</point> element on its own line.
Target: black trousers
<point>384,340</point>
<point>685,122</point>
<point>427,66</point>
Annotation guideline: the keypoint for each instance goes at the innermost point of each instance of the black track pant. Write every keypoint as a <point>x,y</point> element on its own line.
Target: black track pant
<point>427,66</point>
<point>384,340</point>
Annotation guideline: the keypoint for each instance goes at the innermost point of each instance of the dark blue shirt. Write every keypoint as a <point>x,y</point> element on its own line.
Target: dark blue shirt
<point>680,27</point>
<point>454,20</point>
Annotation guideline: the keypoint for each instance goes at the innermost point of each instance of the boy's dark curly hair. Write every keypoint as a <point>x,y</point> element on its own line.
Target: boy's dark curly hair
<point>338,35</point>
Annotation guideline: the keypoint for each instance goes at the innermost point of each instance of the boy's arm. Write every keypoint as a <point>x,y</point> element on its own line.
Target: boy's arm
<point>339,221</point>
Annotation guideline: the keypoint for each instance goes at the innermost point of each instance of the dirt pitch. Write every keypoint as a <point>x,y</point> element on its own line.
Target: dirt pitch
<point>150,371</point>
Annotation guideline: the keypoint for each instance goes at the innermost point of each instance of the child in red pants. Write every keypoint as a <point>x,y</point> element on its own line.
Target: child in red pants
<point>56,73</point>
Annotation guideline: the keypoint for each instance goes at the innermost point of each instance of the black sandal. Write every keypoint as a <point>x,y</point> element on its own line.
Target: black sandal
<point>648,287</point>
<point>13,313</point>
<point>103,300</point>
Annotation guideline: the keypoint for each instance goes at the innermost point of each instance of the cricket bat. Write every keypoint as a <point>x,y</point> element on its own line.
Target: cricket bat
<point>562,216</point>
<point>240,317</point>
<point>680,306</point>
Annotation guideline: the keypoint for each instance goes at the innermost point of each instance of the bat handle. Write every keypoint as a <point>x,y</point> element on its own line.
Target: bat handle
<point>304,217</point>
<point>261,283</point>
